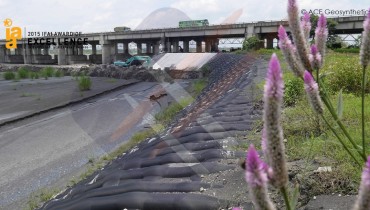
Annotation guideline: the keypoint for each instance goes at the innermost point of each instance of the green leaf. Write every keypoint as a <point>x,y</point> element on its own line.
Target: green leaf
<point>340,105</point>
<point>294,196</point>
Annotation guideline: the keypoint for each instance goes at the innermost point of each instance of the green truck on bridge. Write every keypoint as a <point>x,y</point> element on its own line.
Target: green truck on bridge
<point>193,23</point>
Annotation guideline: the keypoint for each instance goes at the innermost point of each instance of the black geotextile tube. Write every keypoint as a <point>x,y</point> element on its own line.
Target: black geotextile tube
<point>115,175</point>
<point>128,186</point>
<point>163,171</point>
<point>199,156</point>
<point>141,200</point>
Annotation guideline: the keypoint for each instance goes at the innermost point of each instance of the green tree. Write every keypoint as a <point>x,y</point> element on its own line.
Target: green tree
<point>252,43</point>
<point>332,37</point>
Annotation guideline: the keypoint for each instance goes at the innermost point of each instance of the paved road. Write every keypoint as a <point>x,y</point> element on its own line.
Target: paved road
<point>38,151</point>
<point>26,97</point>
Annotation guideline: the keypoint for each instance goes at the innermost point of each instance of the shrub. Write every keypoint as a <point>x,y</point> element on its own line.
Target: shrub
<point>166,116</point>
<point>34,75</point>
<point>293,91</point>
<point>344,72</point>
<point>347,50</point>
<point>252,43</point>
<point>84,83</point>
<point>199,85</point>
<point>23,73</point>
<point>9,75</point>
<point>59,73</point>
<point>47,72</point>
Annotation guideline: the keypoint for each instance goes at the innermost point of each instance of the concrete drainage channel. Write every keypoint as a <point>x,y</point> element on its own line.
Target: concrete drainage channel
<point>194,164</point>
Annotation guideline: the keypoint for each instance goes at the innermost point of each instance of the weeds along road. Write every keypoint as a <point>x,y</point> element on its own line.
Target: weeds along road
<point>54,146</point>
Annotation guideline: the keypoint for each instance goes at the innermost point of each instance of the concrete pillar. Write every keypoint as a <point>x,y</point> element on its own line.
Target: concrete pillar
<point>93,49</point>
<point>2,53</point>
<point>148,48</point>
<point>36,51</point>
<point>208,46</point>
<point>114,50</point>
<point>168,47</point>
<point>214,45</point>
<point>186,46</point>
<point>156,48</point>
<point>46,50</point>
<point>62,56</point>
<point>139,47</point>
<point>250,31</point>
<point>80,50</point>
<point>125,48</point>
<point>199,46</point>
<point>175,46</point>
<point>106,53</point>
<point>270,43</point>
<point>27,55</point>
<point>106,49</point>
<point>18,50</point>
<point>69,50</point>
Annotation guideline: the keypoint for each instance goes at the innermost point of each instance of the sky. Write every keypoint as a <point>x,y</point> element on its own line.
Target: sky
<point>104,15</point>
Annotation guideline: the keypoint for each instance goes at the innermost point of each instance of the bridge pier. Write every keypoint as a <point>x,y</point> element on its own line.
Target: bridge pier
<point>139,47</point>
<point>27,55</point>
<point>62,56</point>
<point>156,48</point>
<point>105,49</point>
<point>208,46</point>
<point>125,48</point>
<point>199,46</point>
<point>175,46</point>
<point>148,48</point>
<point>168,47</point>
<point>186,45</point>
<point>2,53</point>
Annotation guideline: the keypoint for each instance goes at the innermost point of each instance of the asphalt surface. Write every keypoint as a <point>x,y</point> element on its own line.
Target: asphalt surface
<point>187,166</point>
<point>28,97</point>
<point>40,151</point>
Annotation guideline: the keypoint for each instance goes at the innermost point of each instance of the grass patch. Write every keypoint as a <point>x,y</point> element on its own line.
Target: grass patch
<point>34,75</point>
<point>23,73</point>
<point>347,50</point>
<point>40,196</point>
<point>166,116</point>
<point>84,83</point>
<point>198,85</point>
<point>59,73</point>
<point>310,140</point>
<point>9,75</point>
<point>47,72</point>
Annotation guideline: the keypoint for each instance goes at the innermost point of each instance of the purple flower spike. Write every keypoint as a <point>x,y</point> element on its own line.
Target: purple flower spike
<point>273,98</point>
<point>321,35</point>
<point>363,199</point>
<point>256,178</point>
<point>365,46</point>
<point>255,169</point>
<point>315,58</point>
<point>274,81</point>
<point>298,36</point>
<point>306,25</point>
<point>290,53</point>
<point>312,91</point>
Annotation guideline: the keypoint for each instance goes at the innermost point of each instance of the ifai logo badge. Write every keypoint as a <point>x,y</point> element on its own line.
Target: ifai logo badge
<point>12,34</point>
